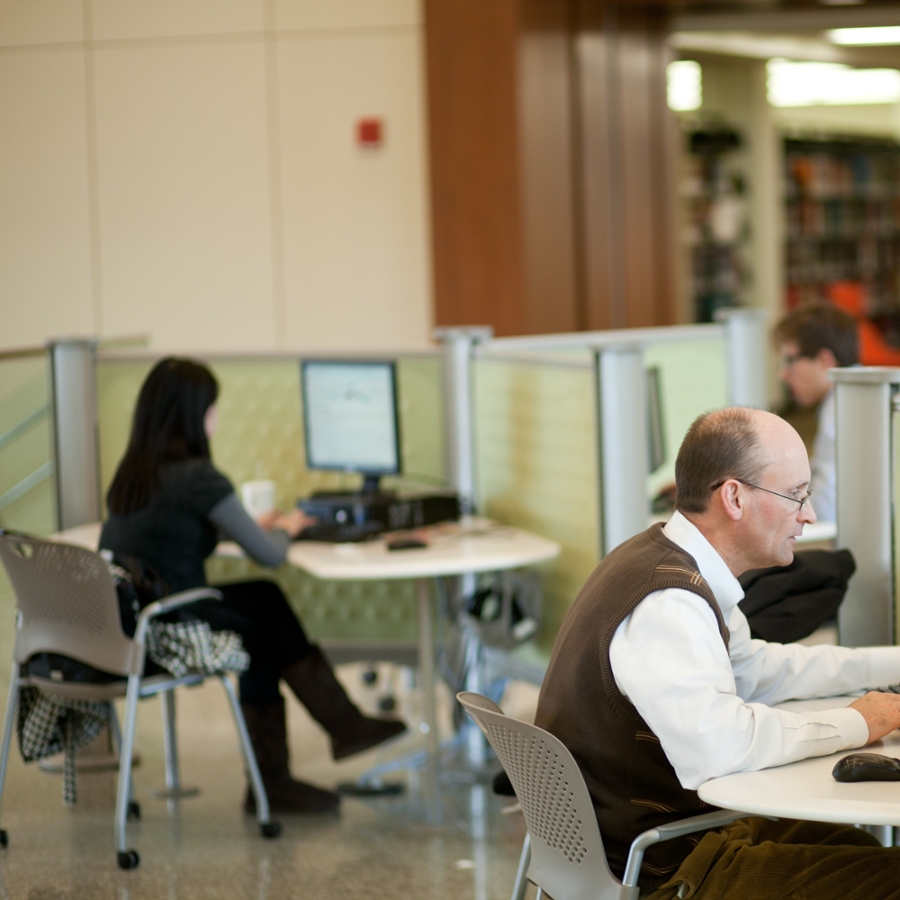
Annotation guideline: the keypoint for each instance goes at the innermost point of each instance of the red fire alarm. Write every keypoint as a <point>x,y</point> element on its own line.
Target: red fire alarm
<point>369,132</point>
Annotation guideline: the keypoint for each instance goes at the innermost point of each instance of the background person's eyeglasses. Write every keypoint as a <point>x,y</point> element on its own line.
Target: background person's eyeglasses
<point>801,500</point>
<point>787,362</point>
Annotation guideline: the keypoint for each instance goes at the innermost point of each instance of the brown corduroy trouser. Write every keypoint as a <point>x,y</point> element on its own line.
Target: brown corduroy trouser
<point>757,859</point>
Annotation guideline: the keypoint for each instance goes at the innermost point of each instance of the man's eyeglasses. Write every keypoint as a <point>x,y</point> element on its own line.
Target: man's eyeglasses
<point>800,500</point>
<point>788,361</point>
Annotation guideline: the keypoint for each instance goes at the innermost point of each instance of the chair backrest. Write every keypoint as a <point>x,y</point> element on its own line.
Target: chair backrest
<point>567,857</point>
<point>68,604</point>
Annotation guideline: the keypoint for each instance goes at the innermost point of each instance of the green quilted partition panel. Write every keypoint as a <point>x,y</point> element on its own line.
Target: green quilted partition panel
<point>25,449</point>
<point>118,383</point>
<point>536,458</point>
<point>330,610</point>
<point>26,445</point>
<point>694,380</point>
<point>260,435</point>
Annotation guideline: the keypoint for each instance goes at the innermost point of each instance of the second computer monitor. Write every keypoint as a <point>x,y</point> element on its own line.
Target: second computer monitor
<point>351,418</point>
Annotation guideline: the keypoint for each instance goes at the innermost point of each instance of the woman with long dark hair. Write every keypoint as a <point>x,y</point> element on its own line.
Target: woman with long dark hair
<point>168,506</point>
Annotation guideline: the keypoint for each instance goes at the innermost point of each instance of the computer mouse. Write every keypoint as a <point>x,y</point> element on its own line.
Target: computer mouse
<point>405,544</point>
<point>867,767</point>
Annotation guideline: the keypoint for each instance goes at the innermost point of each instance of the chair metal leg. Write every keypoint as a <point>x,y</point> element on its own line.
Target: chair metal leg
<point>8,725</point>
<point>115,733</point>
<point>173,789</point>
<point>266,825</point>
<point>521,883</point>
<point>128,859</point>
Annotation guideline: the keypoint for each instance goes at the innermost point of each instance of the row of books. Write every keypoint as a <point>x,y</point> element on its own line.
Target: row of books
<point>845,218</point>
<point>861,168</point>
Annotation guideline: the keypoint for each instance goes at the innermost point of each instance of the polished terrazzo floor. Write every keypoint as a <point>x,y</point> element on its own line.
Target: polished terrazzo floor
<point>397,847</point>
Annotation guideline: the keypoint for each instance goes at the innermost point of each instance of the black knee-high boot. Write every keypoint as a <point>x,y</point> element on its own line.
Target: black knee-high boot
<point>315,685</point>
<point>268,734</point>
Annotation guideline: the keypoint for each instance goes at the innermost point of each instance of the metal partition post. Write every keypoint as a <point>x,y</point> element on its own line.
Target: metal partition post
<point>75,432</point>
<point>745,348</point>
<point>864,453</point>
<point>458,413</point>
<point>460,442</point>
<point>622,418</point>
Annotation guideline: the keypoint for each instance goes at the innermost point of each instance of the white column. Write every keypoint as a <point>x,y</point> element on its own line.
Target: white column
<point>746,356</point>
<point>623,421</point>
<point>75,432</point>
<point>864,455</point>
<point>458,412</point>
<point>459,418</point>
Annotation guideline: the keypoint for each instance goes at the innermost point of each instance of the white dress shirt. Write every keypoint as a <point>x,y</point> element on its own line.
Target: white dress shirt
<point>711,707</point>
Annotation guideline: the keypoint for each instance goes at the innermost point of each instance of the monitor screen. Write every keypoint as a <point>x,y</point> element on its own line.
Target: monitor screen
<point>350,416</point>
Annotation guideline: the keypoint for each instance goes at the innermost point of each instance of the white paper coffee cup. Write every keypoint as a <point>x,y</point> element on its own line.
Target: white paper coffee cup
<point>258,497</point>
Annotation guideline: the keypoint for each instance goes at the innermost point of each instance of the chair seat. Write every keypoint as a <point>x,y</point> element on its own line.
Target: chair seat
<point>109,690</point>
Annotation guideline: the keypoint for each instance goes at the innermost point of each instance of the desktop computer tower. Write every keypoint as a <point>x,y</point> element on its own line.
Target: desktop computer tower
<point>388,511</point>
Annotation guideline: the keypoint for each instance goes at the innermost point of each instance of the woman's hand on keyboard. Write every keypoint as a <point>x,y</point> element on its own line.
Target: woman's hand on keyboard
<point>292,522</point>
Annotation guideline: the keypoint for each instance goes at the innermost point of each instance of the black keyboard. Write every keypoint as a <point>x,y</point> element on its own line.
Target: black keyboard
<point>333,533</point>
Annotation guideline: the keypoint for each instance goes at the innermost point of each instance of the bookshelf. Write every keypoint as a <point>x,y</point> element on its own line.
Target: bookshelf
<point>716,229</point>
<point>842,222</point>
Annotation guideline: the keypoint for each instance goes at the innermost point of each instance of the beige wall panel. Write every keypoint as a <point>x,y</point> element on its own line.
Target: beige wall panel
<point>355,220</point>
<point>184,195</point>
<point>40,22</point>
<point>346,13</point>
<point>45,279</point>
<point>115,19</point>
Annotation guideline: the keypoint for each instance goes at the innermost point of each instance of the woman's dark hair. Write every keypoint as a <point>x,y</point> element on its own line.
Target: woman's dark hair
<point>168,426</point>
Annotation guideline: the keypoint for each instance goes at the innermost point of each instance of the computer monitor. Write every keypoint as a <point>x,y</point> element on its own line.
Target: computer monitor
<point>350,417</point>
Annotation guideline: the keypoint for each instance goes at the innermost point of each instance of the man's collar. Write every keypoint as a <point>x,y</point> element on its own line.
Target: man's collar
<point>724,585</point>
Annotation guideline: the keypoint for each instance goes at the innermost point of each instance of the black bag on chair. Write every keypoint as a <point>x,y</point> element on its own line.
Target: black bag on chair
<point>787,603</point>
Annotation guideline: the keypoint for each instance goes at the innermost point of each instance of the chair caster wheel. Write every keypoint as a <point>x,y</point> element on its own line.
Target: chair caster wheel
<point>128,860</point>
<point>134,810</point>
<point>4,838</point>
<point>270,829</point>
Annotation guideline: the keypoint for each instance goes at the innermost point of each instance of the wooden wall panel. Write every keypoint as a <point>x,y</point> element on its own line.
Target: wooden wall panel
<point>601,194</point>
<point>472,70</point>
<point>547,151</point>
<point>586,239</point>
<point>626,172</point>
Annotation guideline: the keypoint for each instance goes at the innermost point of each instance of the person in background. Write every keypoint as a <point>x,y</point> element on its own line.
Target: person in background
<point>169,506</point>
<point>812,339</point>
<point>656,686</point>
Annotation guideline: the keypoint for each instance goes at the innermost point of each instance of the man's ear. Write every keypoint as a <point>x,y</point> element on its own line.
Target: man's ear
<point>731,499</point>
<point>826,358</point>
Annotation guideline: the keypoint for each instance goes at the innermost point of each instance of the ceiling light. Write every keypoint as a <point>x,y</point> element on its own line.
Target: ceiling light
<point>865,37</point>
<point>842,2</point>
<point>812,84</point>
<point>684,85</point>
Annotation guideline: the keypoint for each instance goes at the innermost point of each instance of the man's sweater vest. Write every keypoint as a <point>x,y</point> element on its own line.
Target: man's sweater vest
<point>631,782</point>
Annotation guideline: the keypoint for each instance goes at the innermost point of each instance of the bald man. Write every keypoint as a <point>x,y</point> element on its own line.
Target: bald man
<point>656,686</point>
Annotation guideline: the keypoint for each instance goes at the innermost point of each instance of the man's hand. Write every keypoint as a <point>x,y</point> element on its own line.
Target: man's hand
<point>881,712</point>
